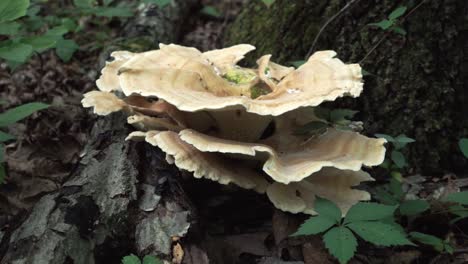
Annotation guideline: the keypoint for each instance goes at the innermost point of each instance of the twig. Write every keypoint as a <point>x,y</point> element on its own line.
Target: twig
<point>374,47</point>
<point>461,250</point>
<point>326,24</point>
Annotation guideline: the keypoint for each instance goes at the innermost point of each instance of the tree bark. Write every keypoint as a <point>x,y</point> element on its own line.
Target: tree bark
<point>417,82</point>
<point>112,205</point>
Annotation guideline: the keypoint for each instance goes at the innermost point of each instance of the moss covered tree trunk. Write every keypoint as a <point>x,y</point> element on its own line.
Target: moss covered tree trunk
<point>417,83</point>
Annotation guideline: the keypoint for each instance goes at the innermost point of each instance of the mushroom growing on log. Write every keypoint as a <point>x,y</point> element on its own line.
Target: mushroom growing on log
<point>204,112</point>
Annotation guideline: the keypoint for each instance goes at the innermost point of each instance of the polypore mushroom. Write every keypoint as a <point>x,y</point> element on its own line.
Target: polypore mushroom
<point>237,125</point>
<point>330,183</point>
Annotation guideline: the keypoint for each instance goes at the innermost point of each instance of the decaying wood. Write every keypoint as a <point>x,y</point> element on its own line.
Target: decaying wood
<point>121,199</point>
<point>111,203</point>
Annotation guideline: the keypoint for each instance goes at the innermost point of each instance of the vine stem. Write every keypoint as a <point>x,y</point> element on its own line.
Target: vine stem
<point>312,48</point>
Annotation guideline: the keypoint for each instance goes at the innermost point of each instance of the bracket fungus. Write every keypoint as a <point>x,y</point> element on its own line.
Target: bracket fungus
<point>232,124</point>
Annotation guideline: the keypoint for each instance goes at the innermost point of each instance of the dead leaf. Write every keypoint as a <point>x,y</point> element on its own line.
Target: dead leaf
<point>177,254</point>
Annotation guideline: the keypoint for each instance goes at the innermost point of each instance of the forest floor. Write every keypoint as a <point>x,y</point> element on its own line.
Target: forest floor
<point>242,225</point>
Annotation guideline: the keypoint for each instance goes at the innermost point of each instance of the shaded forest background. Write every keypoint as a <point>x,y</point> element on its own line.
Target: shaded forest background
<point>416,83</point>
<point>75,188</point>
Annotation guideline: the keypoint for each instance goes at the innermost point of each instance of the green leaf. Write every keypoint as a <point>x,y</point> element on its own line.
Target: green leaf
<point>2,154</point>
<point>151,260</point>
<point>40,43</point>
<point>396,188</point>
<point>384,24</point>
<point>380,234</point>
<point>433,241</point>
<point>402,138</point>
<point>453,221</point>
<point>297,63</point>
<point>5,137</point>
<point>396,175</point>
<point>385,164</point>
<point>83,3</point>
<point>14,115</point>
<point>364,72</point>
<point>341,243</point>
<point>33,10</point>
<point>413,207</point>
<point>448,248</point>
<point>9,28</point>
<point>401,141</point>
<point>2,166</point>
<point>458,197</point>
<point>341,114</point>
<point>131,259</point>
<point>343,127</point>
<point>268,2</point>
<point>364,211</point>
<point>159,3</point>
<point>398,158</point>
<point>314,127</point>
<point>391,221</point>
<point>398,30</point>
<point>327,209</point>
<point>383,195</point>
<point>211,11</point>
<point>314,225</point>
<point>459,210</point>
<point>13,64</point>
<point>463,144</point>
<point>322,112</point>
<point>113,11</point>
<point>16,52</point>
<point>398,12</point>
<point>385,136</point>
<point>13,9</point>
<point>256,91</point>
<point>57,31</point>
<point>2,173</point>
<point>69,24</point>
<point>66,48</point>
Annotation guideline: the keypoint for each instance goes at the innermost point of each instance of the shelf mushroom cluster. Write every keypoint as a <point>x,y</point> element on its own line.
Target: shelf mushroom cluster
<point>236,125</point>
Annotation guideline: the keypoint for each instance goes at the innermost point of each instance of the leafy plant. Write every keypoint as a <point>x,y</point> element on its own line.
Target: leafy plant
<point>392,194</point>
<point>365,73</point>
<point>268,2</point>
<point>391,23</point>
<point>210,11</point>
<point>297,63</point>
<point>372,222</point>
<point>337,118</point>
<point>10,117</point>
<point>463,144</point>
<point>413,207</point>
<point>396,155</point>
<point>159,3</point>
<point>460,209</point>
<point>25,31</point>
<point>132,259</point>
<point>11,50</point>
<point>437,243</point>
<point>89,7</point>
<point>21,44</point>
